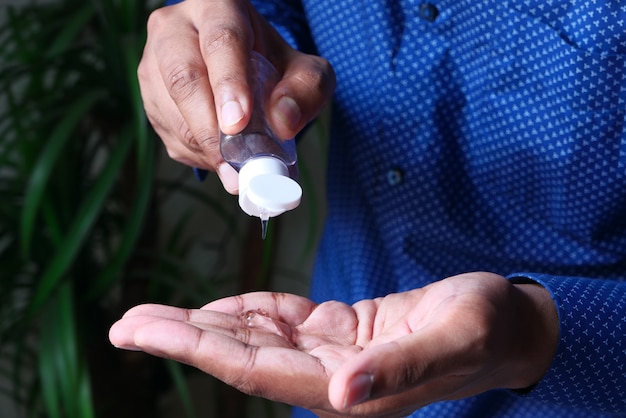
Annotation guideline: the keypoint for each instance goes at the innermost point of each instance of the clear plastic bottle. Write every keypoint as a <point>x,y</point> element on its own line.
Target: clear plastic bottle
<point>267,165</point>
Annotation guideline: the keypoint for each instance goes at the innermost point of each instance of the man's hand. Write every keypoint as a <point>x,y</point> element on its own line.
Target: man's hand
<point>383,357</point>
<point>194,79</point>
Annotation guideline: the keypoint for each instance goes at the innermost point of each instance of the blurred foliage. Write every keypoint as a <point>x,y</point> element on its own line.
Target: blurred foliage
<point>81,210</point>
<point>78,211</point>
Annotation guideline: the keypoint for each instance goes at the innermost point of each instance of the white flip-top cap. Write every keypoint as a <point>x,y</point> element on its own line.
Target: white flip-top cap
<point>265,188</point>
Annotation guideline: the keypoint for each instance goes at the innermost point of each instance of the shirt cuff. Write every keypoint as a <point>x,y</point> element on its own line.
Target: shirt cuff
<point>589,368</point>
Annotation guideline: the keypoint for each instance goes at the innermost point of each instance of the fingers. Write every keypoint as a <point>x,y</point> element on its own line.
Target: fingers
<point>175,89</point>
<point>225,40</point>
<point>229,177</point>
<point>224,315</point>
<point>173,67</point>
<point>122,334</point>
<point>254,361</point>
<point>274,372</point>
<point>194,77</point>
<point>417,372</point>
<point>194,71</point>
<point>308,83</point>
<point>386,369</point>
<point>288,308</point>
<point>455,342</point>
<point>142,330</point>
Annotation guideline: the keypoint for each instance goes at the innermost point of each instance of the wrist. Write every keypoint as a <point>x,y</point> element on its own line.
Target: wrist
<point>537,336</point>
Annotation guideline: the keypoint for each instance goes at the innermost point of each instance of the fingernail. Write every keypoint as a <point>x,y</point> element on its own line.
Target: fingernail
<point>229,177</point>
<point>200,174</point>
<point>231,113</point>
<point>359,390</point>
<point>288,112</point>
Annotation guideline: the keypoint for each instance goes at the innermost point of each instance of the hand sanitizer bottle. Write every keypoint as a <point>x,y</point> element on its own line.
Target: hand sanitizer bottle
<point>267,165</point>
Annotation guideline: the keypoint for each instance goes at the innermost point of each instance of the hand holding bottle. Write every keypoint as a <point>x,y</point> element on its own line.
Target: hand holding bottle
<point>195,79</point>
<point>266,163</point>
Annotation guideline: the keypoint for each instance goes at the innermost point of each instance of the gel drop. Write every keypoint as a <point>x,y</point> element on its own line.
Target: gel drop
<point>264,222</point>
<point>259,319</point>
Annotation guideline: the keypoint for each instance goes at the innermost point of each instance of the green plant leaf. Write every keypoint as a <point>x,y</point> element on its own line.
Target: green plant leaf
<point>145,151</point>
<point>134,224</point>
<point>62,365</point>
<point>211,203</point>
<point>176,372</point>
<point>46,162</point>
<point>195,288</point>
<point>70,30</point>
<point>83,222</point>
<point>48,381</point>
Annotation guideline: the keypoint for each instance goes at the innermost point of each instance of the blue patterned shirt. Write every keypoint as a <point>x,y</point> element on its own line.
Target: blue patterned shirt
<point>483,135</point>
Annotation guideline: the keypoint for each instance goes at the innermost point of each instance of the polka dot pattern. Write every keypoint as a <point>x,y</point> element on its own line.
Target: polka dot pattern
<point>485,135</point>
<point>593,335</point>
<point>492,137</point>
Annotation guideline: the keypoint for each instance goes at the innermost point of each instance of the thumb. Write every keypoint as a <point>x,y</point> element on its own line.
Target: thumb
<point>307,85</point>
<point>393,368</point>
<point>229,177</point>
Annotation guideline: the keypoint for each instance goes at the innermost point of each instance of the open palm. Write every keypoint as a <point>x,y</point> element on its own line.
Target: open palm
<point>379,357</point>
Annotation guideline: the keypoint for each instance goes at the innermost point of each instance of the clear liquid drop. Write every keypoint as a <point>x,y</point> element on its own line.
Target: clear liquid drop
<point>260,319</point>
<point>265,219</point>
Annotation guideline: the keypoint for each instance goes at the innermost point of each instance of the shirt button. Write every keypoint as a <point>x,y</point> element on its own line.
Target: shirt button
<point>394,177</point>
<point>428,12</point>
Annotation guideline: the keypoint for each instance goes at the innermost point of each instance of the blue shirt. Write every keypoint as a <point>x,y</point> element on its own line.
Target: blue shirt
<point>483,135</point>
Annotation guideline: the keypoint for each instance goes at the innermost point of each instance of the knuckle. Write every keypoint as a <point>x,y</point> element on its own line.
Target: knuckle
<point>243,335</point>
<point>184,157</point>
<point>203,141</point>
<point>161,126</point>
<point>320,76</point>
<point>184,134</point>
<point>316,81</point>
<point>174,154</point>
<point>223,37</point>
<point>183,81</point>
<point>311,78</point>
<point>143,71</point>
<point>147,69</point>
<point>244,378</point>
<point>224,81</point>
<point>482,339</point>
<point>155,120</point>
<point>157,19</point>
<point>208,142</point>
<point>188,139</point>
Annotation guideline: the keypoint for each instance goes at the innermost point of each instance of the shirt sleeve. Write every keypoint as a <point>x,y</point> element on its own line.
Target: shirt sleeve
<point>589,368</point>
<point>289,19</point>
